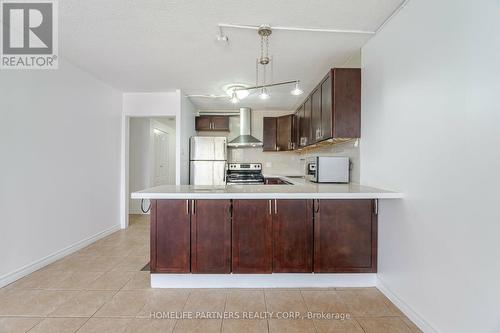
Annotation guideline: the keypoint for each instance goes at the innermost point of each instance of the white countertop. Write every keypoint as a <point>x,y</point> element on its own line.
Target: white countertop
<point>300,189</point>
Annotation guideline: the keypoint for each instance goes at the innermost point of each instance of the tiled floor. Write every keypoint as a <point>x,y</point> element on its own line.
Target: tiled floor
<point>101,289</point>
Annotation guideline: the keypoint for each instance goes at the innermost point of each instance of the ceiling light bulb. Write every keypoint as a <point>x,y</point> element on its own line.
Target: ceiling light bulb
<point>264,94</point>
<point>242,93</point>
<point>234,98</point>
<point>297,91</point>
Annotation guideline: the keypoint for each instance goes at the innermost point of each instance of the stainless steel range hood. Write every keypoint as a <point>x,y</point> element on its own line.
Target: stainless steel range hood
<point>245,139</point>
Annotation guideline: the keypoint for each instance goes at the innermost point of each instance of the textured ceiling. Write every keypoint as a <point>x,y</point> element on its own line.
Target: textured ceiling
<point>154,45</point>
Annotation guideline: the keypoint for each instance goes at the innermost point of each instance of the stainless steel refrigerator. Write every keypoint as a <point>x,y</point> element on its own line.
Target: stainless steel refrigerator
<point>208,157</point>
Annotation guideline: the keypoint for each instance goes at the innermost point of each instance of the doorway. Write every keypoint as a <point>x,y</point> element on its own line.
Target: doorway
<point>151,158</point>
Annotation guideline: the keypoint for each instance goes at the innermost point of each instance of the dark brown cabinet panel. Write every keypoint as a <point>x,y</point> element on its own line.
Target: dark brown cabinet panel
<point>170,236</point>
<point>346,102</point>
<point>211,236</point>
<point>308,137</point>
<point>270,134</point>
<point>252,236</point>
<point>285,132</point>
<point>345,236</point>
<point>212,123</point>
<point>316,116</point>
<point>302,141</point>
<point>292,236</point>
<point>326,105</point>
<point>220,123</point>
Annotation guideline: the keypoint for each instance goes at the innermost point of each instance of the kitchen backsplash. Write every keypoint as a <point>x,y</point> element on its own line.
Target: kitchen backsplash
<point>282,163</point>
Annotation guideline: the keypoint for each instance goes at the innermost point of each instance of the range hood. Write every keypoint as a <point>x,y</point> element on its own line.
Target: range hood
<point>245,139</point>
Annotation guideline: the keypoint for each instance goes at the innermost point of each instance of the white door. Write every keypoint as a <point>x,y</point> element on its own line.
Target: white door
<point>161,162</point>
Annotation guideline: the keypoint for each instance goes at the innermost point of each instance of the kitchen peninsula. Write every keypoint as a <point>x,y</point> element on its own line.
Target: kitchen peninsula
<point>264,235</point>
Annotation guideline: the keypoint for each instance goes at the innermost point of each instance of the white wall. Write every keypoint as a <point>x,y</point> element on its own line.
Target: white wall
<point>60,162</point>
<point>431,129</point>
<point>185,127</point>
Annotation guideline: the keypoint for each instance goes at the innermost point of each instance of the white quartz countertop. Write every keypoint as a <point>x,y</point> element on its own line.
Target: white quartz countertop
<point>300,189</point>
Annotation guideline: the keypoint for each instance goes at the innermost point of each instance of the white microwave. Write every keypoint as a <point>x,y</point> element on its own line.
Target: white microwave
<point>328,169</point>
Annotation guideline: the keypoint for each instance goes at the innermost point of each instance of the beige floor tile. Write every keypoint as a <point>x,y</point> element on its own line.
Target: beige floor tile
<point>291,326</point>
<point>384,325</point>
<point>324,301</point>
<point>285,301</point>
<point>151,326</point>
<point>338,326</point>
<point>132,263</point>
<point>160,300</point>
<point>76,281</point>
<point>206,300</point>
<point>32,302</point>
<point>105,325</point>
<point>41,279</point>
<point>414,328</point>
<point>125,303</point>
<point>367,302</point>
<point>17,324</point>
<point>85,304</point>
<point>111,281</point>
<point>245,300</point>
<point>139,280</point>
<point>244,326</point>
<point>198,326</point>
<point>59,325</point>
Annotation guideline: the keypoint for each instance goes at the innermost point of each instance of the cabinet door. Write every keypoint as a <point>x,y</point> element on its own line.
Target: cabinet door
<point>308,136</point>
<point>269,135</point>
<point>284,132</point>
<point>345,236</point>
<point>220,123</point>
<point>301,124</point>
<point>326,108</point>
<point>316,115</point>
<point>252,236</point>
<point>211,236</point>
<point>292,236</point>
<point>347,103</point>
<point>170,232</point>
<point>203,123</point>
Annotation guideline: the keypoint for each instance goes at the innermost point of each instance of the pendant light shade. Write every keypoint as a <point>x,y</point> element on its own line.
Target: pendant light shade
<point>297,91</point>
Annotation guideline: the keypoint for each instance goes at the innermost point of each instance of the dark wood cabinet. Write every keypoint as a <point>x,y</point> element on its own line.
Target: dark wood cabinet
<point>326,104</point>
<point>292,236</point>
<point>212,123</point>
<point>264,236</point>
<point>211,236</point>
<point>279,133</point>
<point>345,236</point>
<point>269,134</point>
<point>170,236</point>
<point>316,115</point>
<point>285,132</point>
<point>306,129</point>
<point>252,241</point>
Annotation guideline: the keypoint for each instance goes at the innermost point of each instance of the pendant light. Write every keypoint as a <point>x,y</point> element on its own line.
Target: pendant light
<point>264,94</point>
<point>234,98</point>
<point>297,91</point>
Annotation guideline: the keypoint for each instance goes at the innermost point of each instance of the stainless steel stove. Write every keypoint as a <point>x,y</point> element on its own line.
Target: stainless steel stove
<point>244,173</point>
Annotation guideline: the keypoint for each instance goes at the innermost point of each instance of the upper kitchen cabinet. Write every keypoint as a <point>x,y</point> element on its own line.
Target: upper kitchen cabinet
<point>212,123</point>
<point>285,128</point>
<point>305,125</point>
<point>279,133</point>
<point>316,115</point>
<point>270,134</point>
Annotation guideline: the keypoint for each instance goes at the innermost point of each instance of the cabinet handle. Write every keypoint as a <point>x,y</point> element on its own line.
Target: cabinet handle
<point>275,206</point>
<point>187,207</point>
<point>193,209</point>
<point>375,206</point>
<point>269,201</point>
<point>317,206</point>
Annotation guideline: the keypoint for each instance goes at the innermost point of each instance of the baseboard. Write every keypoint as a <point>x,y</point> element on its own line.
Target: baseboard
<point>36,265</point>
<point>414,316</point>
<point>278,280</point>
